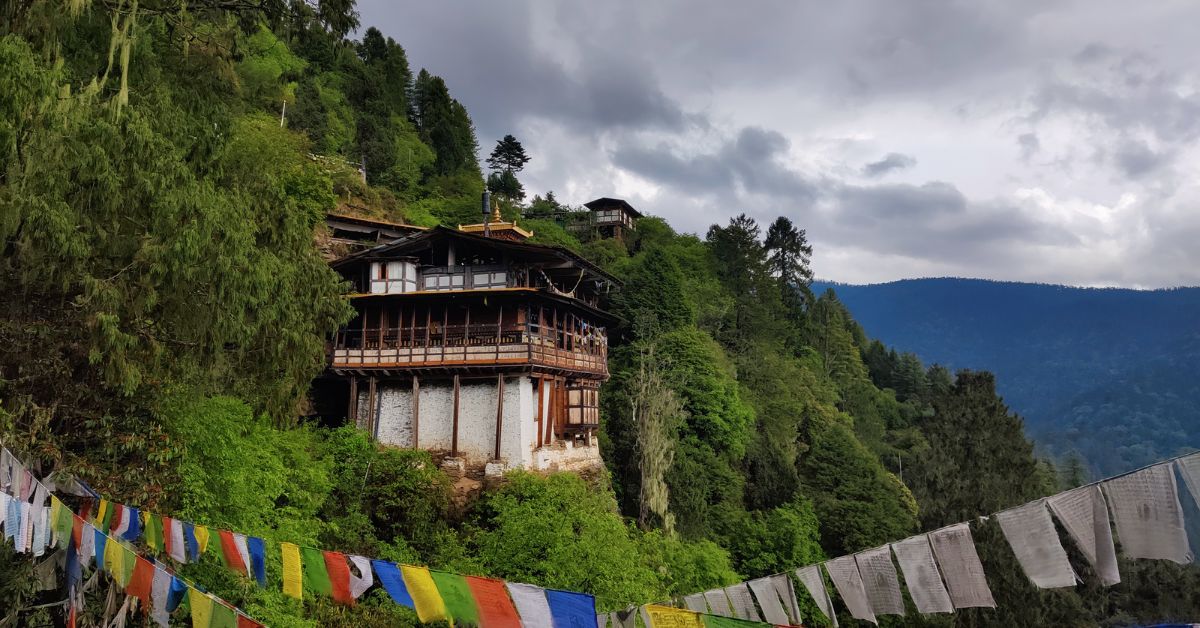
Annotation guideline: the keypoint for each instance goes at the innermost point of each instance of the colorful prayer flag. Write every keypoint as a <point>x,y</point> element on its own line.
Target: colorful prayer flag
<point>457,597</point>
<point>291,570</point>
<point>531,603</point>
<point>393,582</point>
<point>176,546</point>
<point>667,617</point>
<point>201,533</point>
<point>190,541</point>
<point>339,577</point>
<point>141,582</point>
<point>202,608</point>
<point>570,609</point>
<point>223,616</point>
<point>159,591</point>
<point>132,525</point>
<point>229,553</point>
<point>424,593</point>
<point>258,563</point>
<point>496,610</point>
<point>360,583</point>
<point>316,577</point>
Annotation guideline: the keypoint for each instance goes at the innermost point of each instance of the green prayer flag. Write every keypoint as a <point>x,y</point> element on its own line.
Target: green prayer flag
<point>108,515</point>
<point>715,621</point>
<point>316,577</point>
<point>153,532</point>
<point>128,562</point>
<point>223,616</point>
<point>456,595</point>
<point>64,526</point>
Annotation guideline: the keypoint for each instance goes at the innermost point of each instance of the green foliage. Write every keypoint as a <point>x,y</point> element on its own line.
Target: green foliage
<point>858,504</point>
<point>768,542</point>
<point>266,67</point>
<point>561,533</point>
<point>550,233</point>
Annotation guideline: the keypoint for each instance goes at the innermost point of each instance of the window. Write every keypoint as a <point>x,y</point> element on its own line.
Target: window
<point>393,277</point>
<point>583,406</point>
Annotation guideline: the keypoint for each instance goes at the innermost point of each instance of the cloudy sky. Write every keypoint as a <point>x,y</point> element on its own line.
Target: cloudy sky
<point>1050,141</point>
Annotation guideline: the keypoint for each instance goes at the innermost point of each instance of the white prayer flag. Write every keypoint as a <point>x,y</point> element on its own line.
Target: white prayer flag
<point>922,576</point>
<point>4,499</point>
<point>1189,468</point>
<point>1148,515</point>
<point>360,584</point>
<point>239,543</point>
<point>531,604</point>
<point>159,590</point>
<point>178,549</point>
<point>958,561</point>
<point>787,592</point>
<point>880,581</point>
<point>848,582</point>
<point>768,601</point>
<point>695,602</point>
<point>810,577</point>
<point>742,603</point>
<point>1031,534</point>
<point>1084,514</point>
<point>718,602</point>
<point>87,544</point>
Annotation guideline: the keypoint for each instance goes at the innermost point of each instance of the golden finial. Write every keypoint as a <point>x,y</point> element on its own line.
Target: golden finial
<point>496,217</point>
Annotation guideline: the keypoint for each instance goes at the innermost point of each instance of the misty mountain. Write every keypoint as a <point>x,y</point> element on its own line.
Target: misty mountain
<point>1111,374</point>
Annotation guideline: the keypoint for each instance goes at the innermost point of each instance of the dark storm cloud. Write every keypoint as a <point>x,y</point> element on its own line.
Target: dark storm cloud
<point>783,107</point>
<point>751,162</point>
<point>890,162</point>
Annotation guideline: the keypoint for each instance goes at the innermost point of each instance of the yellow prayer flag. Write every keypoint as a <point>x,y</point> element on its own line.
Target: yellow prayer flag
<point>202,608</point>
<point>201,533</point>
<point>100,512</point>
<point>114,560</point>
<point>667,617</point>
<point>425,595</point>
<point>291,570</point>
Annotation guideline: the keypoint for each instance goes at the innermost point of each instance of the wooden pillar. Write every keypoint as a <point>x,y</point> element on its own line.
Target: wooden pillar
<point>541,412</point>
<point>352,410</point>
<point>371,418</point>
<point>416,409</point>
<point>454,436</point>
<point>499,413</point>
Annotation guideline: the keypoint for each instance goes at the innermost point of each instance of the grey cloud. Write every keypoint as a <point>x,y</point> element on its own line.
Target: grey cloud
<point>1030,145</point>
<point>749,162</point>
<point>1136,159</point>
<point>890,162</point>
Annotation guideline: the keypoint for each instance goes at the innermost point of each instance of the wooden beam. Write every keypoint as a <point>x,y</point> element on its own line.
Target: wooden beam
<point>352,410</point>
<point>416,410</point>
<point>499,413</point>
<point>454,436</point>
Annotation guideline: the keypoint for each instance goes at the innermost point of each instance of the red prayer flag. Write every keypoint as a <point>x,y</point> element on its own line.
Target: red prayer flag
<point>496,610</point>
<point>77,530</point>
<point>141,582</point>
<point>167,546</point>
<point>118,514</point>
<point>339,577</point>
<point>233,559</point>
<point>246,622</point>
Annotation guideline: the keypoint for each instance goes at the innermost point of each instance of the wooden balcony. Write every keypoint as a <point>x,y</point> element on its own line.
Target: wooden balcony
<point>480,347</point>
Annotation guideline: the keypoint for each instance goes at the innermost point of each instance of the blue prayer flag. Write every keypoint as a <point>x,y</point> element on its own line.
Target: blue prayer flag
<point>571,610</point>
<point>176,594</point>
<point>257,559</point>
<point>189,540</point>
<point>135,524</point>
<point>393,582</point>
<point>101,539</point>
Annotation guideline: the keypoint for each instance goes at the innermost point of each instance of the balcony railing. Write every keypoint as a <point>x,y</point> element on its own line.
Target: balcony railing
<point>475,345</point>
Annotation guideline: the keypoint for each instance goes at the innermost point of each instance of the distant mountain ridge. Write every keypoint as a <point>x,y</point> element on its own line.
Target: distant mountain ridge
<point>1109,372</point>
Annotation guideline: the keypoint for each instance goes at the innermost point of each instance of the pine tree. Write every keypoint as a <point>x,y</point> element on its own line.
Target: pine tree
<point>508,155</point>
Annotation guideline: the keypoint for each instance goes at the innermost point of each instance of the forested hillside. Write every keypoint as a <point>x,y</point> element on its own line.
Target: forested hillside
<point>1103,373</point>
<point>165,308</point>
